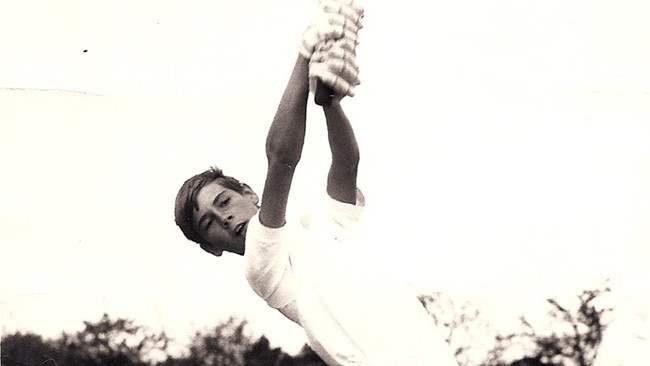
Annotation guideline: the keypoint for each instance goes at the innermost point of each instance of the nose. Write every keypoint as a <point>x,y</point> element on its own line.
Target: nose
<point>225,220</point>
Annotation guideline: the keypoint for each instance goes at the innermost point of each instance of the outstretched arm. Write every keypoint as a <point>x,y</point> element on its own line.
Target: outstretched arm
<point>284,144</point>
<point>342,177</point>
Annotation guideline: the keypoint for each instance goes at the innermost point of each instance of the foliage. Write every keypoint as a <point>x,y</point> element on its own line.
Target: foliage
<point>106,342</point>
<point>120,342</point>
<point>229,344</point>
<point>460,323</point>
<point>529,361</point>
<point>110,342</point>
<point>26,349</point>
<point>573,339</point>
<point>224,345</point>
<point>307,357</point>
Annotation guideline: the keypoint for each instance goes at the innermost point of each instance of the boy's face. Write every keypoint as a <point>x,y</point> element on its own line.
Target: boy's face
<point>222,217</point>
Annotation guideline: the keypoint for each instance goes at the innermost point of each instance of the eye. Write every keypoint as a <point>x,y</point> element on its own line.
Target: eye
<point>209,223</point>
<point>225,202</point>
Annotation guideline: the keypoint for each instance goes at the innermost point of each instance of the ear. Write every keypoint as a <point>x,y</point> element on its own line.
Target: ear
<point>250,194</point>
<point>211,250</point>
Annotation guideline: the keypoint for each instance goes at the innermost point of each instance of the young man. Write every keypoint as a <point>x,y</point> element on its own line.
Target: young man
<point>313,271</point>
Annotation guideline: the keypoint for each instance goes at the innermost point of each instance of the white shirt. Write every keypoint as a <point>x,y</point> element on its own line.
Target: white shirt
<point>317,273</point>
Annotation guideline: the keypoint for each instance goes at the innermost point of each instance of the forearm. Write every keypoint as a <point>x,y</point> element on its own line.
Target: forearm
<point>342,177</point>
<point>284,144</point>
<point>343,142</point>
<point>286,135</point>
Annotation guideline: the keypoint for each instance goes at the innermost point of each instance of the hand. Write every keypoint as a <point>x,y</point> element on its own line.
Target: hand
<point>334,63</point>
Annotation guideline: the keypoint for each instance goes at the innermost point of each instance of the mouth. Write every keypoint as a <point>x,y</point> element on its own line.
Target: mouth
<point>240,229</point>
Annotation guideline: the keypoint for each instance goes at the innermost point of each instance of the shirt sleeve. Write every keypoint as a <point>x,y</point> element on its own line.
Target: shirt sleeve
<point>268,265</point>
<point>345,214</point>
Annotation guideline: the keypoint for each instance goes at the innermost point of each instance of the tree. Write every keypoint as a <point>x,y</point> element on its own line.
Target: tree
<point>460,323</point>
<point>307,357</point>
<point>106,343</point>
<point>229,344</point>
<point>224,345</point>
<point>575,333</point>
<point>529,361</point>
<point>122,343</point>
<point>261,354</point>
<point>26,349</point>
<point>110,342</point>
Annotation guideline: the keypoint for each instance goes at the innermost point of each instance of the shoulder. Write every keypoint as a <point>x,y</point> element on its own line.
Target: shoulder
<point>264,244</point>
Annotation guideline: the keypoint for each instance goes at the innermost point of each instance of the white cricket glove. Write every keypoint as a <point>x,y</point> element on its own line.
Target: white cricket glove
<point>334,63</point>
<point>335,19</point>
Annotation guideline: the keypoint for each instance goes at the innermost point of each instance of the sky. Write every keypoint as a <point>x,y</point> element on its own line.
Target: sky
<point>504,152</point>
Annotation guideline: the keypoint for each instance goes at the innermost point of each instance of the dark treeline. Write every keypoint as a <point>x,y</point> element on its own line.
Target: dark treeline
<point>121,342</point>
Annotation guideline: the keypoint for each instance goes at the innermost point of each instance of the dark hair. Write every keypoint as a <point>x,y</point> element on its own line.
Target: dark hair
<point>186,199</point>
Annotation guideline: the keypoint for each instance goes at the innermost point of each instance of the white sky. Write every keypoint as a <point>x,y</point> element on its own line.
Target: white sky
<point>504,144</point>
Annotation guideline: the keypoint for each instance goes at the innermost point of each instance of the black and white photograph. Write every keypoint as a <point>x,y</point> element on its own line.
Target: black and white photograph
<point>324,182</point>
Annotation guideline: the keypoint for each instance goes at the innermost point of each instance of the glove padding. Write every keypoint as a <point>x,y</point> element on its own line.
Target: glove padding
<point>335,19</point>
<point>334,63</point>
<point>330,44</point>
<point>353,11</point>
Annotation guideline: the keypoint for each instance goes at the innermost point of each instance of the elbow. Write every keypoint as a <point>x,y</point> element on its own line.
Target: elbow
<point>280,153</point>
